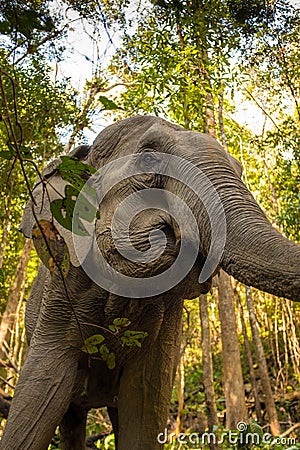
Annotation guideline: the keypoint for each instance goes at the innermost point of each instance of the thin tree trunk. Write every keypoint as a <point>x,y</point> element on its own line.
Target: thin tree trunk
<point>6,226</point>
<point>207,365</point>
<point>269,324</point>
<point>293,342</point>
<point>183,87</point>
<point>286,353</point>
<point>279,378</point>
<point>180,391</point>
<point>263,368</point>
<point>221,121</point>
<point>236,410</point>
<point>8,317</point>
<point>20,356</point>
<point>14,343</point>
<point>249,360</point>
<point>17,338</point>
<point>210,121</point>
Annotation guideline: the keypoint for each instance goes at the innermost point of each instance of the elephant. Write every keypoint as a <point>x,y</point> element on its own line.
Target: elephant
<point>218,222</point>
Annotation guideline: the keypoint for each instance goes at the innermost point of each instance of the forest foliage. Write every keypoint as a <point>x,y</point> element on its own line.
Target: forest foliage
<point>197,63</point>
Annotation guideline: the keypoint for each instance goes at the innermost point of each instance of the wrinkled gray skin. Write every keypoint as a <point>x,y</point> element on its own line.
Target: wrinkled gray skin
<point>58,383</point>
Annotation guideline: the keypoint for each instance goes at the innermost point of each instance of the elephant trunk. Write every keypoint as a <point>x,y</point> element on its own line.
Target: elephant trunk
<point>255,252</point>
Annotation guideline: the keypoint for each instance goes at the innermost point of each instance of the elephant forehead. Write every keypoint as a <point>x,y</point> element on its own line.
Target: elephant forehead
<point>123,138</point>
<point>205,148</point>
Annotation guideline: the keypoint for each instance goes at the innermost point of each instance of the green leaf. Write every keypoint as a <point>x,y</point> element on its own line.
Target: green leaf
<point>104,352</point>
<point>63,211</point>
<point>74,180</point>
<point>95,339</point>
<point>25,151</point>
<point>71,164</point>
<point>107,103</point>
<point>107,356</point>
<point>86,210</point>
<point>111,361</point>
<point>1,276</point>
<point>76,173</point>
<point>89,349</point>
<point>5,27</point>
<point>135,334</point>
<point>254,427</point>
<point>118,323</point>
<point>131,338</point>
<point>90,344</point>
<point>121,322</point>
<point>59,212</point>
<point>5,154</point>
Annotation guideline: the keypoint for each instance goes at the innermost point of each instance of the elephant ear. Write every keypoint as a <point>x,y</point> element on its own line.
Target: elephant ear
<point>41,199</point>
<point>49,188</point>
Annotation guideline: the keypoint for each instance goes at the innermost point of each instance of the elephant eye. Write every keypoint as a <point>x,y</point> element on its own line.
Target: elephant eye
<point>149,159</point>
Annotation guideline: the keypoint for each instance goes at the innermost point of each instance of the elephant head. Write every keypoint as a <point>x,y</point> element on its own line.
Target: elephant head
<point>163,187</point>
<point>172,211</point>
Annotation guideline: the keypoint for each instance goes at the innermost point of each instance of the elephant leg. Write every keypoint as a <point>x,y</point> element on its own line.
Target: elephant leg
<point>41,398</point>
<point>44,390</point>
<point>146,387</point>
<point>142,416</point>
<point>72,428</point>
<point>113,415</point>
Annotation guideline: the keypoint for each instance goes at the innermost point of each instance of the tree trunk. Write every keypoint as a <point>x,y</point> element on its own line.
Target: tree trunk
<point>210,121</point>
<point>249,360</point>
<point>180,390</point>
<point>286,353</point>
<point>263,368</point>
<point>185,106</point>
<point>207,365</point>
<point>221,121</point>
<point>6,224</point>
<point>17,339</point>
<point>8,317</point>
<point>279,377</point>
<point>236,410</point>
<point>233,378</point>
<point>293,342</point>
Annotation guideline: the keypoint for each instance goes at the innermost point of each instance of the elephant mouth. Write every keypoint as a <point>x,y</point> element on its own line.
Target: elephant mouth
<point>158,250</point>
<point>144,254</point>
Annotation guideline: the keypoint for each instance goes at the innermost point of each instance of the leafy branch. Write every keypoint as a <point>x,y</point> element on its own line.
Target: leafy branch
<point>9,125</point>
<point>76,173</point>
<point>94,344</point>
<point>52,242</point>
<point>93,88</point>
